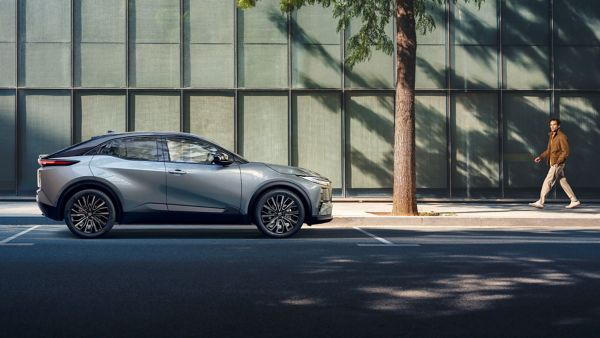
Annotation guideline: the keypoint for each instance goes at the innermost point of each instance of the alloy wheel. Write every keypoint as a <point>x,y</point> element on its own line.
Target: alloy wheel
<point>280,214</point>
<point>89,214</point>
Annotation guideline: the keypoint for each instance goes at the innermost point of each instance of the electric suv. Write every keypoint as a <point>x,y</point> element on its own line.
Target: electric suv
<point>156,177</point>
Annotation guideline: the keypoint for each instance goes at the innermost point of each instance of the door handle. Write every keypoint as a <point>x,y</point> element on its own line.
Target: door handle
<point>177,172</point>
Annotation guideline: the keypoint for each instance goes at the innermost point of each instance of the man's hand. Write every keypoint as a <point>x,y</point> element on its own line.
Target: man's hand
<point>537,159</point>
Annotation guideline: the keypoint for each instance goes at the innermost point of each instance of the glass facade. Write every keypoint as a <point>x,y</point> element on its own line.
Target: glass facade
<point>274,88</point>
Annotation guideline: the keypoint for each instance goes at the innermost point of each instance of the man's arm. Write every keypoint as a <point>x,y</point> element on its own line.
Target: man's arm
<point>564,150</point>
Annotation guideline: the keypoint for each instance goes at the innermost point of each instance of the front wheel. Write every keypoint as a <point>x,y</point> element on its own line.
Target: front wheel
<point>89,213</point>
<point>279,213</point>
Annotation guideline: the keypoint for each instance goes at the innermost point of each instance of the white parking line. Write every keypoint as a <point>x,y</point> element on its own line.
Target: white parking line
<point>382,240</point>
<point>5,241</point>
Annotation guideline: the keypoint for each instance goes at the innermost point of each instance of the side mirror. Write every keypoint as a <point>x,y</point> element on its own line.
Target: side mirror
<point>220,158</point>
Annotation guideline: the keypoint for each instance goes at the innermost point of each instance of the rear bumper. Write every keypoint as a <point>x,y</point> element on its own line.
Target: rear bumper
<point>48,210</point>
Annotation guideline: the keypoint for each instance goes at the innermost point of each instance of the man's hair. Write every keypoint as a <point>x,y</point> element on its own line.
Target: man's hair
<point>555,119</point>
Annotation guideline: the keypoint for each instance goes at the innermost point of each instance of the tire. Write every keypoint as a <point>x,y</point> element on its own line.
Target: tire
<point>90,213</point>
<point>279,213</point>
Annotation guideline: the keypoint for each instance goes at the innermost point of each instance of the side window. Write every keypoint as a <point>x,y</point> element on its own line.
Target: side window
<point>189,151</point>
<point>138,148</point>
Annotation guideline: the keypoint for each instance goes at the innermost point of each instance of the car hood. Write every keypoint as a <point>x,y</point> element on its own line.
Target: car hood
<point>284,169</point>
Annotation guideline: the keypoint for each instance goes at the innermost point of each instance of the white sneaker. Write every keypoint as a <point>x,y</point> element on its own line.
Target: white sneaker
<point>573,204</point>
<point>537,204</point>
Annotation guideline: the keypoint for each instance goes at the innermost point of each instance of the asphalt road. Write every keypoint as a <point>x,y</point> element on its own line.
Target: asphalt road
<point>337,282</point>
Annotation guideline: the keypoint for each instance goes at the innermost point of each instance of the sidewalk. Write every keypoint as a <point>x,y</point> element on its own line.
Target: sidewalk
<point>373,213</point>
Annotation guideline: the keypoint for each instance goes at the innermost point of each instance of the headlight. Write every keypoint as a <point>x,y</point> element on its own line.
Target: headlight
<point>317,180</point>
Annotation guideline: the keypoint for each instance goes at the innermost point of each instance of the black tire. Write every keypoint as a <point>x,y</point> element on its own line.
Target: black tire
<point>279,213</point>
<point>90,213</point>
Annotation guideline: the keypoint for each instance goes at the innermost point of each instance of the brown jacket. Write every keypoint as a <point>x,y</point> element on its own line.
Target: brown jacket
<point>558,148</point>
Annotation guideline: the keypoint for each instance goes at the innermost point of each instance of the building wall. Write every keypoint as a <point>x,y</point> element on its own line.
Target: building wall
<point>273,87</point>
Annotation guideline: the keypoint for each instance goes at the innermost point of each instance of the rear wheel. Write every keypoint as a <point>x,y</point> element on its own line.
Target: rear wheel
<point>279,213</point>
<point>89,213</point>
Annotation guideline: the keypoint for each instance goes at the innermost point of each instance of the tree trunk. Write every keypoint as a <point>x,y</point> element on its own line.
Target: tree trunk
<point>405,181</point>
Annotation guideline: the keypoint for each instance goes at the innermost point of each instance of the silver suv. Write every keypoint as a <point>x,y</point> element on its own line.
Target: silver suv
<point>154,177</point>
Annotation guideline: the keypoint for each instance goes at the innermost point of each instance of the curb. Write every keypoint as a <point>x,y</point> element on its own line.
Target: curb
<point>460,221</point>
<point>352,221</point>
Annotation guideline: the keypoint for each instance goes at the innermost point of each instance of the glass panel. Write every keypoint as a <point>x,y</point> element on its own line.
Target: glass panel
<point>154,43</point>
<point>209,65</point>
<point>211,116</point>
<point>7,43</point>
<point>578,67</point>
<point>155,112</point>
<point>526,67</point>
<point>474,125</point>
<point>316,59</point>
<point>7,142</point>
<point>100,65</point>
<point>369,143</point>
<point>438,35</point>
<point>45,43</point>
<point>155,65</point>
<point>317,138</point>
<point>525,136</point>
<point>263,51</point>
<point>45,20</point>
<point>475,67</point>
<point>378,72</point>
<point>431,158</point>
<point>44,127</point>
<point>577,22</point>
<point>525,22</point>
<point>473,25</point>
<point>97,113</point>
<point>264,127</point>
<point>431,66</point>
<point>208,43</point>
<point>580,117</point>
<point>100,43</point>
<point>7,66</point>
<point>7,19</point>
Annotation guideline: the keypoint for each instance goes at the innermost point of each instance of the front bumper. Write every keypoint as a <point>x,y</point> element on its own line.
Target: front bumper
<point>325,213</point>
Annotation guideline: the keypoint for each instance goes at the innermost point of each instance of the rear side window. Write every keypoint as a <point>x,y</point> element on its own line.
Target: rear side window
<point>134,148</point>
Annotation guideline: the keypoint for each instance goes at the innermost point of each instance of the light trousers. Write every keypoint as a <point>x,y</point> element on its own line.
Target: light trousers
<point>556,172</point>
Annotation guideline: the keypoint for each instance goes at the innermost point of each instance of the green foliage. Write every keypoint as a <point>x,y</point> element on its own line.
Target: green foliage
<point>374,14</point>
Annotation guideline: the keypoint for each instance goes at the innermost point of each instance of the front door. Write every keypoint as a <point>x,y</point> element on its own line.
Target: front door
<point>195,185</point>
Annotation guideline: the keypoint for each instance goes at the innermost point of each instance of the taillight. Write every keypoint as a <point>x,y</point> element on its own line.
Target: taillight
<point>46,162</point>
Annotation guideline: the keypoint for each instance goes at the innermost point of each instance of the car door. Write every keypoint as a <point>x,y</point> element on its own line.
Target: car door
<point>195,184</point>
<point>134,166</point>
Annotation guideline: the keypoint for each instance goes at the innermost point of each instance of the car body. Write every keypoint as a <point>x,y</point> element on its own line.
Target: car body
<point>166,177</point>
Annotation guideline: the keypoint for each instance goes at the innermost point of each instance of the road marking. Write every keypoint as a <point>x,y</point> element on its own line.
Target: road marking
<point>16,244</point>
<point>382,240</point>
<point>5,242</point>
<point>362,244</point>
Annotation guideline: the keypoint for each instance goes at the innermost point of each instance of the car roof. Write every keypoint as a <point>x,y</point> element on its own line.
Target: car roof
<point>143,133</point>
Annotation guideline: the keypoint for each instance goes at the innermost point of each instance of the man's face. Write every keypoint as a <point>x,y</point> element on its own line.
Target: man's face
<point>554,126</point>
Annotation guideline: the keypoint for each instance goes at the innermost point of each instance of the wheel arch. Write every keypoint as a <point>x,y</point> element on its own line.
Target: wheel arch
<point>90,184</point>
<point>279,185</point>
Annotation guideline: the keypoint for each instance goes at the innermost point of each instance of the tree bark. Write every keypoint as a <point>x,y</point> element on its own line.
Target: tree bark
<point>405,181</point>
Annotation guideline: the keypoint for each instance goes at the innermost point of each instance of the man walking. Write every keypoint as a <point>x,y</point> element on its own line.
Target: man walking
<point>556,154</point>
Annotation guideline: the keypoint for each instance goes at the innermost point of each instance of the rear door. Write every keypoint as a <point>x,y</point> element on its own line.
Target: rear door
<point>196,185</point>
<point>135,167</point>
